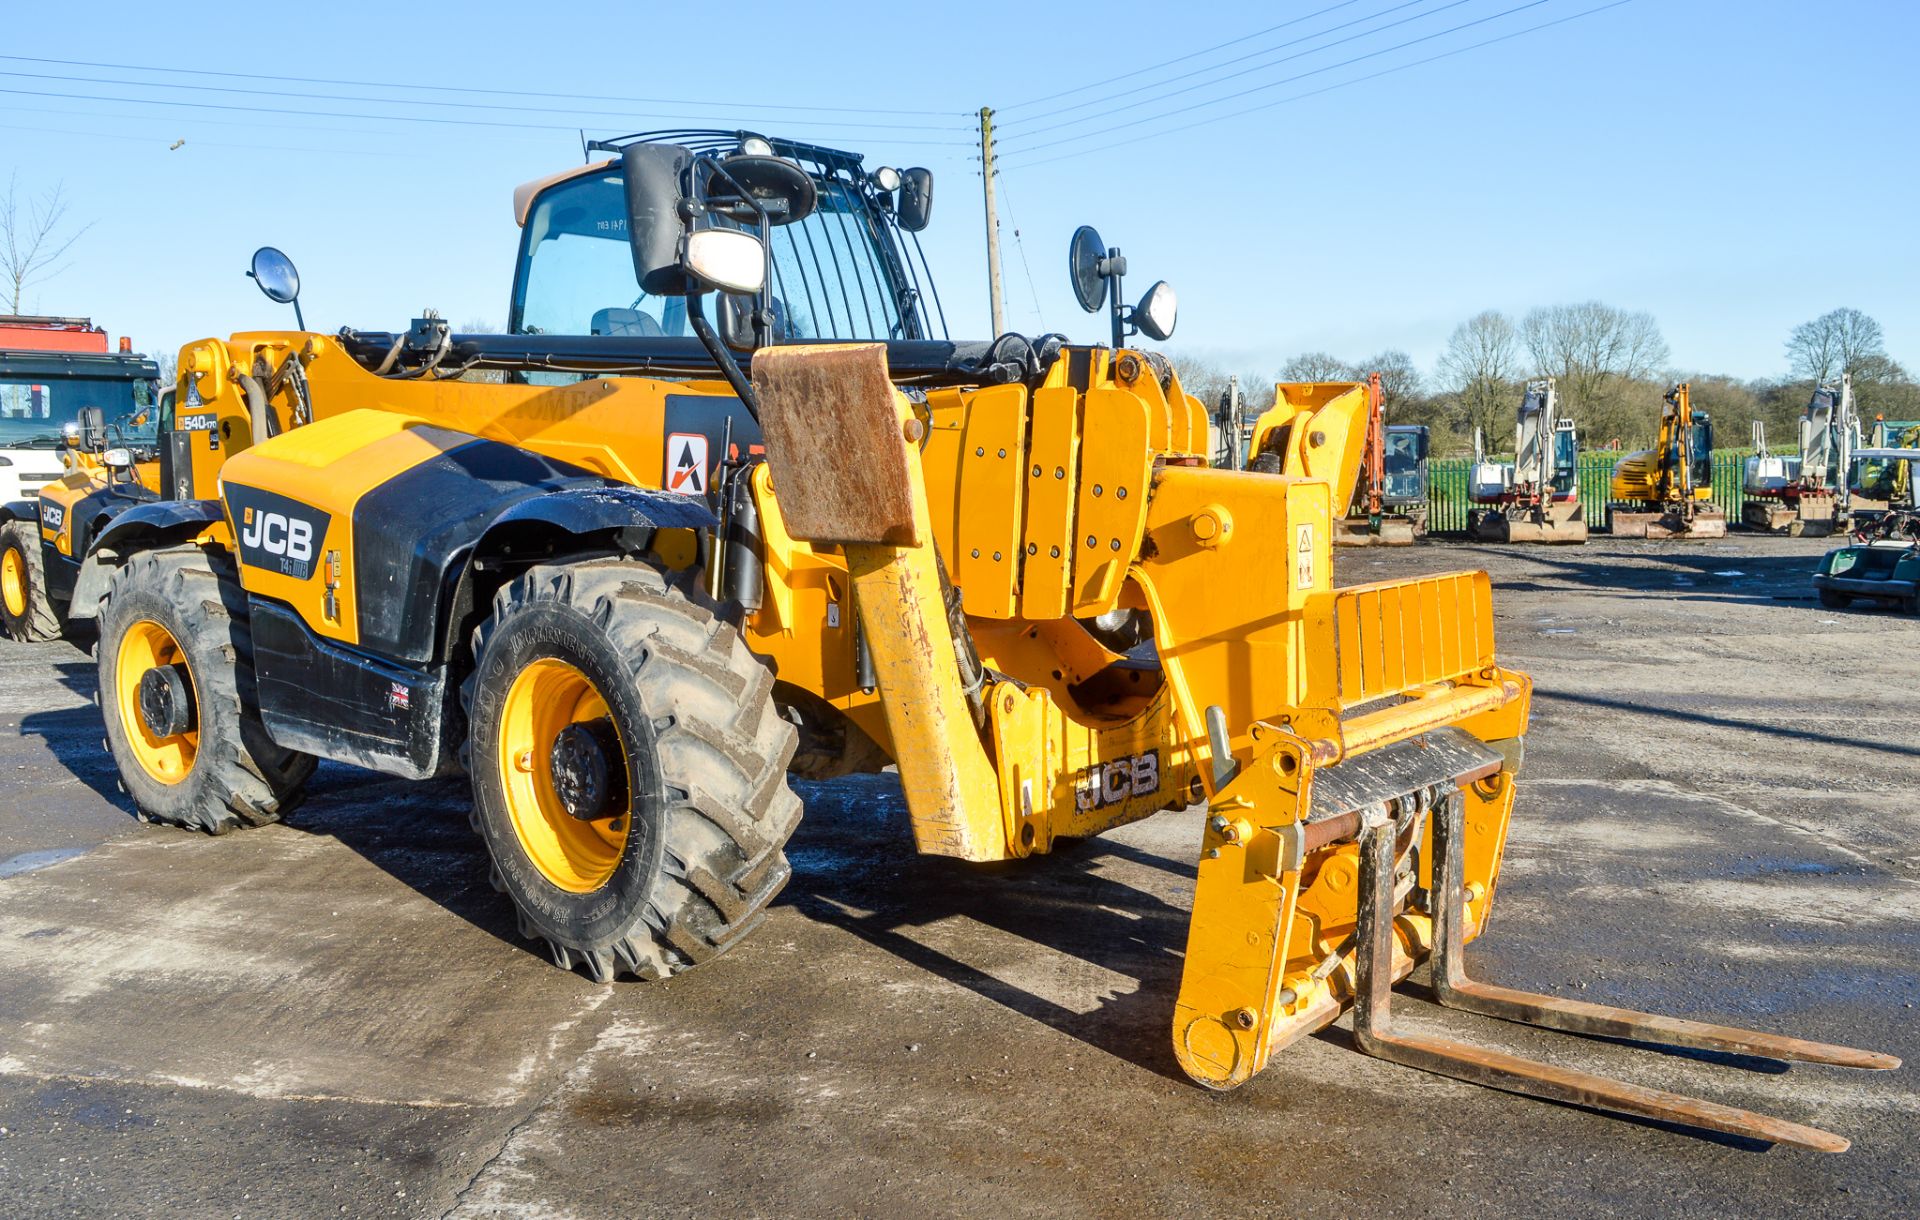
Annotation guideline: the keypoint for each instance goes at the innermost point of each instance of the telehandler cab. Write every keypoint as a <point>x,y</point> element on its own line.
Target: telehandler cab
<point>685,550</point>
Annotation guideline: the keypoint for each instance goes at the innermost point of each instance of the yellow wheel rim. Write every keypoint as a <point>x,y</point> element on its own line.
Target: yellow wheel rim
<point>577,856</point>
<point>147,645</point>
<point>13,582</point>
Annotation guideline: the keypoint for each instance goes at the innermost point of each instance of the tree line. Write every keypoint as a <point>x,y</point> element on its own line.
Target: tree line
<point>1612,368</point>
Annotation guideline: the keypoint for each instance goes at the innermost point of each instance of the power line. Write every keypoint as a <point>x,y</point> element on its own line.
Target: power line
<point>378,118</point>
<point>395,101</point>
<point>1021,245</point>
<point>1330,88</point>
<point>374,84</point>
<point>1165,63</point>
<point>1288,80</point>
<point>203,120</point>
<point>255,147</point>
<point>1292,42</point>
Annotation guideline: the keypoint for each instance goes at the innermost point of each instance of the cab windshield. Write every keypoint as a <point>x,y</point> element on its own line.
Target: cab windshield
<point>34,410</point>
<point>1404,450</point>
<point>838,274</point>
<point>1565,461</point>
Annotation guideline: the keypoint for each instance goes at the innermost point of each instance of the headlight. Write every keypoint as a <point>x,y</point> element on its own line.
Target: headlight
<point>886,178</point>
<point>1157,312</point>
<point>726,259</point>
<point>117,459</point>
<point>754,146</point>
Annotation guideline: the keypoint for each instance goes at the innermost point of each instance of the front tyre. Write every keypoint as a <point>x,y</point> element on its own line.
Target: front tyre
<point>628,768</point>
<point>25,612</point>
<point>174,662</point>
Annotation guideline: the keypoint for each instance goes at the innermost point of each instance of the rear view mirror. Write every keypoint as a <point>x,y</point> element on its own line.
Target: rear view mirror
<point>915,209</point>
<point>1084,255</point>
<point>655,222</point>
<point>93,429</point>
<point>274,273</point>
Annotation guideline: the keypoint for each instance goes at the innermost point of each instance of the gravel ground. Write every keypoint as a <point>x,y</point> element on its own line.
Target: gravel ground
<point>335,1016</point>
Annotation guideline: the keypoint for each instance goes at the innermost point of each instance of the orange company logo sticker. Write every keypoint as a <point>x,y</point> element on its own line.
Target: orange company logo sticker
<point>687,463</point>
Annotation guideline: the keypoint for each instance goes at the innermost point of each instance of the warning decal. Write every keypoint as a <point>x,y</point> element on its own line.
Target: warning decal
<point>687,463</point>
<point>1303,559</point>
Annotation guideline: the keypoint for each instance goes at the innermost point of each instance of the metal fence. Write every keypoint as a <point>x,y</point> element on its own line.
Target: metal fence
<point>1448,499</point>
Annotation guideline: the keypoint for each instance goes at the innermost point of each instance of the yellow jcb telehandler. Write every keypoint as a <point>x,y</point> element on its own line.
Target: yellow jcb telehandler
<point>684,549</point>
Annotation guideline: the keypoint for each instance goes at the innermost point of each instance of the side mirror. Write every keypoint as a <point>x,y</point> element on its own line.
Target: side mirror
<point>1085,253</point>
<point>915,209</point>
<point>93,429</point>
<point>1157,312</point>
<point>275,274</point>
<point>656,222</point>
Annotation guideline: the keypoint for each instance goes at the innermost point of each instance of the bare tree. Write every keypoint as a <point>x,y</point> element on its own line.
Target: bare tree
<point>1316,366</point>
<point>1481,369</point>
<point>1843,341</point>
<point>1604,360</point>
<point>31,241</point>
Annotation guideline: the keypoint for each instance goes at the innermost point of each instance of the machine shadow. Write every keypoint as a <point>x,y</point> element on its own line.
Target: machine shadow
<point>75,735</point>
<point>1747,579</point>
<point>855,869</point>
<point>1795,733</point>
<point>417,833</point>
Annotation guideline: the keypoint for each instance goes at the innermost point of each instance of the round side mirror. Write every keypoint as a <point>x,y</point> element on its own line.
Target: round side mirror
<point>1156,313</point>
<point>1084,253</point>
<point>784,189</point>
<point>275,274</point>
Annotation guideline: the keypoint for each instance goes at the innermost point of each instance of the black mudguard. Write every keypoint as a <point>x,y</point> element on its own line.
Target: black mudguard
<point>153,523</point>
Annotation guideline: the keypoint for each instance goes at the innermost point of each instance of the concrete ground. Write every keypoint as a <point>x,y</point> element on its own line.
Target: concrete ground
<point>336,1017</point>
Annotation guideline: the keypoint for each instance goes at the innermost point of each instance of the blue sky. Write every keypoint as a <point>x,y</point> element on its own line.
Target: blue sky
<point>1735,168</point>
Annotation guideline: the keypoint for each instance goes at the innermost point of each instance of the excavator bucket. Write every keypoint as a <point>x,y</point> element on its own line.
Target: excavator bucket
<point>1357,749</point>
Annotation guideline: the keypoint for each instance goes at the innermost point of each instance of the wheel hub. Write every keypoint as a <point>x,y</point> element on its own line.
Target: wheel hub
<point>589,785</point>
<point>166,700</point>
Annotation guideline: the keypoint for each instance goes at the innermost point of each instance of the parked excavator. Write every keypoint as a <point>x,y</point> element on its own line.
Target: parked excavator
<point>1388,506</point>
<point>1537,498</point>
<point>1667,491</point>
<point>735,511</point>
<point>1808,494</point>
<point>1877,484</point>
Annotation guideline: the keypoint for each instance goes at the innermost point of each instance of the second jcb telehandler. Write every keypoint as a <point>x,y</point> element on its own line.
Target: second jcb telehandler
<point>741,508</point>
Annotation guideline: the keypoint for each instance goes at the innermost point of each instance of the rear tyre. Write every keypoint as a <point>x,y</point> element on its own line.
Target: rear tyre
<point>1833,599</point>
<point>629,769</point>
<point>176,691</point>
<point>25,611</point>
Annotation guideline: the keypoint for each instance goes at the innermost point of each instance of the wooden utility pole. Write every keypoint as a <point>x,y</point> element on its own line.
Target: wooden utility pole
<point>993,224</point>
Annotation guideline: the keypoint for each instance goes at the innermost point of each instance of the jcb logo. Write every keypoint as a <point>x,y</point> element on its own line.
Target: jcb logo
<point>1109,783</point>
<point>52,516</point>
<point>276,534</point>
<point>279,534</point>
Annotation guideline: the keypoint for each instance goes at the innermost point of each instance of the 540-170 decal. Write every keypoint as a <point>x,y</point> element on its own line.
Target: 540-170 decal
<point>276,534</point>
